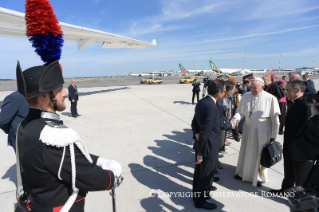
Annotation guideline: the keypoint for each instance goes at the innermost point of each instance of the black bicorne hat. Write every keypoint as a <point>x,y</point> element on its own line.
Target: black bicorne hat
<point>39,79</point>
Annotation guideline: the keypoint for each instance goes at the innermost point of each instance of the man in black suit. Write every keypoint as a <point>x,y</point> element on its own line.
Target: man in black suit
<point>206,130</point>
<point>296,172</point>
<point>196,89</point>
<point>246,87</point>
<point>73,97</point>
<point>13,111</point>
<point>310,87</point>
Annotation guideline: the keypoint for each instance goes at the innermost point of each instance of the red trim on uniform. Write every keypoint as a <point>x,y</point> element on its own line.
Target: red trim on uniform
<point>79,200</point>
<point>57,209</point>
<point>110,181</point>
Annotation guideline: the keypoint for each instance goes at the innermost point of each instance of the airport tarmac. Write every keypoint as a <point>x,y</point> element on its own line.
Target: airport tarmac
<point>147,129</point>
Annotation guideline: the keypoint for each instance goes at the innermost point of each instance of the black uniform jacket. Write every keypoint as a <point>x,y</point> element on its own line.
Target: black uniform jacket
<point>73,93</point>
<point>41,165</point>
<point>206,122</point>
<point>305,146</point>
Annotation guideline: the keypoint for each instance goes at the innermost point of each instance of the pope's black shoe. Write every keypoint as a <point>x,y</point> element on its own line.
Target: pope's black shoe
<point>259,183</point>
<point>207,206</point>
<point>237,177</point>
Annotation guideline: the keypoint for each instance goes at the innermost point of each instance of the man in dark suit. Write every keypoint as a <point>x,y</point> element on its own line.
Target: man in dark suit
<point>310,87</point>
<point>246,87</point>
<point>296,172</point>
<point>13,111</point>
<point>196,89</point>
<point>206,130</point>
<point>73,97</point>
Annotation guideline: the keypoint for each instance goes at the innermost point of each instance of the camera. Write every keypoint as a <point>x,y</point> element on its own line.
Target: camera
<point>239,87</point>
<point>308,97</point>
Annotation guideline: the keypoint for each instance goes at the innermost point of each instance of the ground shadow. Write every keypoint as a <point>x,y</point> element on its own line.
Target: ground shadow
<point>11,174</point>
<point>167,170</point>
<point>101,91</point>
<point>67,114</point>
<point>182,102</point>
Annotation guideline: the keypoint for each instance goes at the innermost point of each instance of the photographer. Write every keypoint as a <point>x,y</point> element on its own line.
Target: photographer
<point>305,145</point>
<point>196,89</point>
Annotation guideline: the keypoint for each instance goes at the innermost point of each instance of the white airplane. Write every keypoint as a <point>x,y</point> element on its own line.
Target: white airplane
<point>228,71</point>
<point>185,71</point>
<point>12,24</point>
<point>139,75</point>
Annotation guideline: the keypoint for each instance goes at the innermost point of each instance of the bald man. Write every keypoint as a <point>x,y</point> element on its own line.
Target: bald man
<point>295,77</point>
<point>73,97</point>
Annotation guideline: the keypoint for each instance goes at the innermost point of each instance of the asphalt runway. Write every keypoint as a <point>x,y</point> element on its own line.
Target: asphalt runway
<point>121,81</point>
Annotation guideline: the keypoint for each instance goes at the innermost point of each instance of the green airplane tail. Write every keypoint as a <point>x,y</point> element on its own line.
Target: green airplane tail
<point>214,67</point>
<point>184,70</point>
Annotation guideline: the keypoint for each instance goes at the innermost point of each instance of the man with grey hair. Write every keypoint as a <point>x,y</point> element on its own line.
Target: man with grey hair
<point>261,111</point>
<point>290,75</point>
<point>296,172</point>
<point>267,82</point>
<point>310,87</point>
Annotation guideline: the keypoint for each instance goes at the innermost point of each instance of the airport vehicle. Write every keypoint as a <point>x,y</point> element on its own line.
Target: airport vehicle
<point>146,80</point>
<point>187,79</point>
<point>12,24</point>
<point>195,72</point>
<point>156,80</point>
<point>215,69</point>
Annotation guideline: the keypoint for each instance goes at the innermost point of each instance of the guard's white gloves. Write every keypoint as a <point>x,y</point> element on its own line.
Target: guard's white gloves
<point>112,165</point>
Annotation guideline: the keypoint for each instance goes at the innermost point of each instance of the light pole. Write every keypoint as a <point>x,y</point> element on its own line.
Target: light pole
<point>313,63</point>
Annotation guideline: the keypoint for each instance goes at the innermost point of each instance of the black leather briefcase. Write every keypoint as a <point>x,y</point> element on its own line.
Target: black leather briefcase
<point>271,154</point>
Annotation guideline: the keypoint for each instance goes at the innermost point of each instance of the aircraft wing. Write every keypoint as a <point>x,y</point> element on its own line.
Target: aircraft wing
<point>12,24</point>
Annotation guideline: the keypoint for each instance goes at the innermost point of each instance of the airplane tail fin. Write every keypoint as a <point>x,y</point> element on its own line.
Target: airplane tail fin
<point>270,70</point>
<point>265,70</point>
<point>184,70</point>
<point>214,67</point>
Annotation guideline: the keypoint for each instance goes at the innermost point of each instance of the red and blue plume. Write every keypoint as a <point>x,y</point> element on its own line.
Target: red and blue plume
<point>43,30</point>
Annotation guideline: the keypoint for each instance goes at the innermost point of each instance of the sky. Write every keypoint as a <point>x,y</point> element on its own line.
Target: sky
<point>190,32</point>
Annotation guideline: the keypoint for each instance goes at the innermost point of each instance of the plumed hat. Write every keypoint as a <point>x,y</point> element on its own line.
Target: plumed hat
<point>46,37</point>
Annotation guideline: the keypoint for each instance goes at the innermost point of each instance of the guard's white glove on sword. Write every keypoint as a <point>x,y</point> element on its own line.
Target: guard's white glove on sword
<point>112,165</point>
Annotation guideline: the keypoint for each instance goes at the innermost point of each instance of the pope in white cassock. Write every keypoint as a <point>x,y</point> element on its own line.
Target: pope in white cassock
<point>261,111</point>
